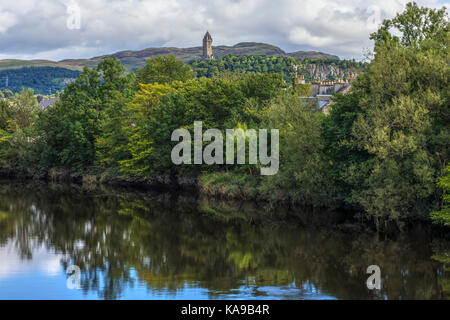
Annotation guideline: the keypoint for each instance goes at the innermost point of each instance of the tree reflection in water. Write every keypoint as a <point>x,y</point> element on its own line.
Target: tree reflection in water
<point>170,241</point>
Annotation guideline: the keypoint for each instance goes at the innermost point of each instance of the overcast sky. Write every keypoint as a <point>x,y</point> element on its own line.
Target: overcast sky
<point>50,29</point>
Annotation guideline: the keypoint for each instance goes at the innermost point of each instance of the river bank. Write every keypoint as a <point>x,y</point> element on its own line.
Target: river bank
<point>97,176</point>
<point>221,185</point>
<point>218,185</point>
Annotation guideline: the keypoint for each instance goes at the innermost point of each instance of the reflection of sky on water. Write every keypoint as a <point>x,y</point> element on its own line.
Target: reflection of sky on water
<point>43,261</point>
<point>43,277</point>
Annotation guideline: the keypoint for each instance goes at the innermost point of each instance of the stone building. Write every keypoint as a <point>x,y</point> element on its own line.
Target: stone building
<point>45,102</point>
<point>328,87</point>
<point>207,46</point>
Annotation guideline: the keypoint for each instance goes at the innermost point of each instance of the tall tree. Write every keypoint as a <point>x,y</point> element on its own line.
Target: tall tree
<point>116,91</point>
<point>164,69</point>
<point>404,124</point>
<point>17,116</point>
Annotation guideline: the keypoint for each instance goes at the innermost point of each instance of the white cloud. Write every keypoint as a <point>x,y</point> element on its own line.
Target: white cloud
<point>7,20</point>
<point>37,29</point>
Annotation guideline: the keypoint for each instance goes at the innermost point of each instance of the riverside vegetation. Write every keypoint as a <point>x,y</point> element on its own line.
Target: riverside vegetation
<point>383,149</point>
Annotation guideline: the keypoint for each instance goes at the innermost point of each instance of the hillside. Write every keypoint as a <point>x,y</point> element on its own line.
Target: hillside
<point>312,55</point>
<point>43,80</point>
<point>136,59</point>
<point>318,69</point>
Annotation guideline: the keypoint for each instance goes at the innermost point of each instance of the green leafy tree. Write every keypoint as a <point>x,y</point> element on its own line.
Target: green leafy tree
<point>416,25</point>
<point>17,116</point>
<point>25,107</point>
<point>443,216</point>
<point>67,131</point>
<point>84,127</point>
<point>302,175</point>
<point>164,69</point>
<point>115,92</point>
<point>140,141</point>
<point>5,111</point>
<point>340,149</point>
<point>403,125</point>
<point>262,87</point>
<point>160,109</point>
<point>301,89</point>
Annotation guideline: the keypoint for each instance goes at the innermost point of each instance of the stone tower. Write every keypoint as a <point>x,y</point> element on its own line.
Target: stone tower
<point>207,46</point>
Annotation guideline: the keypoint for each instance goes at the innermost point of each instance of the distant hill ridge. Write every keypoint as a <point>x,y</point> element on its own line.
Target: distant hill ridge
<point>136,59</point>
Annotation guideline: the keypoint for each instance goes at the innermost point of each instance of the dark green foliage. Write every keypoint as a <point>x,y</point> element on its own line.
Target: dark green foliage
<point>67,130</point>
<point>397,147</point>
<point>443,216</point>
<point>302,176</point>
<point>218,103</point>
<point>87,111</point>
<point>263,64</point>
<point>261,87</point>
<point>18,114</point>
<point>164,69</point>
<point>43,80</point>
<point>341,151</point>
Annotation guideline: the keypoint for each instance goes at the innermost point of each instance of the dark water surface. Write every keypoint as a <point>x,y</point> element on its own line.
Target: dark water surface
<point>132,244</point>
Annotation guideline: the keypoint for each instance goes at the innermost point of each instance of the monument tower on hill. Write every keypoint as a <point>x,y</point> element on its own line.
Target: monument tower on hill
<point>207,46</point>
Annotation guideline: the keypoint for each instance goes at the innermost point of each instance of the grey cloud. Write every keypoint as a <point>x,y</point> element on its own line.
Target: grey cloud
<point>37,29</point>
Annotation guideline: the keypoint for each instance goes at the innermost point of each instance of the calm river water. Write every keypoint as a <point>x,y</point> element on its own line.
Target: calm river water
<point>132,244</point>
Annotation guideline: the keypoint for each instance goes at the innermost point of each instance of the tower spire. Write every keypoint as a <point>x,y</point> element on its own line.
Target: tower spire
<point>207,46</point>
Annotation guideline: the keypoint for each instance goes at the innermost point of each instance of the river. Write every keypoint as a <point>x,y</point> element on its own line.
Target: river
<point>132,244</point>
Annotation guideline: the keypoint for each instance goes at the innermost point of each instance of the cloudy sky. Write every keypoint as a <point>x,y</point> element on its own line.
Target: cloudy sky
<point>62,29</point>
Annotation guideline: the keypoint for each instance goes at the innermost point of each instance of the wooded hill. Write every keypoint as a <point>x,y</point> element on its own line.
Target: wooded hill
<point>43,80</point>
<point>136,59</point>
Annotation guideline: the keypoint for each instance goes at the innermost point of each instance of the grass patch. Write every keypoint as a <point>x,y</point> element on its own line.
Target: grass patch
<point>230,185</point>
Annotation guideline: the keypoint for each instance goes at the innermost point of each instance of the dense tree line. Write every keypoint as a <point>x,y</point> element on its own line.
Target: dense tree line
<point>384,147</point>
<point>388,141</point>
<point>272,64</point>
<point>43,80</point>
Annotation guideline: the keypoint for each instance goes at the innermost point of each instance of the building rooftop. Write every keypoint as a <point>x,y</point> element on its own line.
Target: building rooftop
<point>44,103</point>
<point>207,36</point>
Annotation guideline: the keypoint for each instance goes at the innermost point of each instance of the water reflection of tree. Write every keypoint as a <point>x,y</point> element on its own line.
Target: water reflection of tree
<point>173,241</point>
<point>442,255</point>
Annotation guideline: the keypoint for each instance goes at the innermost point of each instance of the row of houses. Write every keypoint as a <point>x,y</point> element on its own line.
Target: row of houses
<point>322,91</point>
